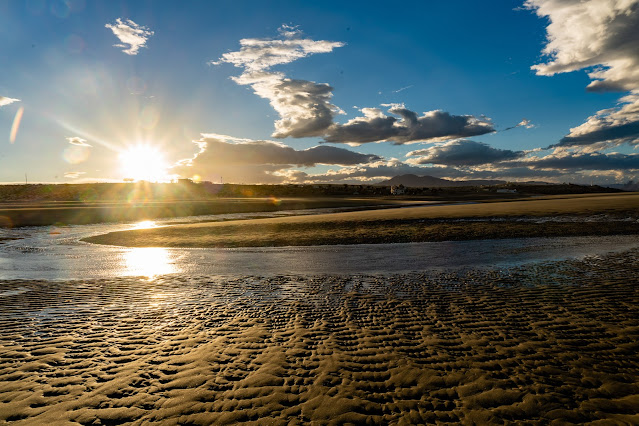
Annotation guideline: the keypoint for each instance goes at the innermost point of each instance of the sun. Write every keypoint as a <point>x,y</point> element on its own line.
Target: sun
<point>143,162</point>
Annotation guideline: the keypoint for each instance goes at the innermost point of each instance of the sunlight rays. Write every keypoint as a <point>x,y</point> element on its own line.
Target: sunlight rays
<point>144,162</point>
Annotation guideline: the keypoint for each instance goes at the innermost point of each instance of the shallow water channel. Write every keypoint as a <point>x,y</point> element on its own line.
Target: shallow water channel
<point>56,253</point>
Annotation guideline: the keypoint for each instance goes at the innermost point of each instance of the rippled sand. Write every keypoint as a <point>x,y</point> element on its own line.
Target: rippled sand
<point>557,341</point>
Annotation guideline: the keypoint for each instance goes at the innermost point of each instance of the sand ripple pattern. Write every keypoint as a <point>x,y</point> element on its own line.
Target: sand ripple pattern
<point>554,342</point>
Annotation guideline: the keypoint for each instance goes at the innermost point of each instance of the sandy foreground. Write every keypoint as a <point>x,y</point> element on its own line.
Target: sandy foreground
<point>555,342</point>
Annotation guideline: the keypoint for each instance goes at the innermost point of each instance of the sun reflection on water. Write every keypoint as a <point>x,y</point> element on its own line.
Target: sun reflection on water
<point>145,224</point>
<point>148,262</point>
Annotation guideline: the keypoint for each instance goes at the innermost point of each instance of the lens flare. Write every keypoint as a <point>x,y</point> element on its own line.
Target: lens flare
<point>16,125</point>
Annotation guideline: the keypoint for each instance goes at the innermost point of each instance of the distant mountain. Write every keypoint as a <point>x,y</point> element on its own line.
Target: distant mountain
<point>415,181</point>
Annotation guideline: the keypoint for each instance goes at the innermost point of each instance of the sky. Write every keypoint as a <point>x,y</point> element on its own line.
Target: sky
<point>319,92</point>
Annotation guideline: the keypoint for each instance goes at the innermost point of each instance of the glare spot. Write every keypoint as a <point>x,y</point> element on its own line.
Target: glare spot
<point>148,262</point>
<point>144,162</point>
<point>145,224</point>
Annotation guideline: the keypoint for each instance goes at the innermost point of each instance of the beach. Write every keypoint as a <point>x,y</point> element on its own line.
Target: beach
<point>540,343</point>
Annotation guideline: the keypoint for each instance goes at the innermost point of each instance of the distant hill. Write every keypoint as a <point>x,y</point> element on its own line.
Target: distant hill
<point>414,181</point>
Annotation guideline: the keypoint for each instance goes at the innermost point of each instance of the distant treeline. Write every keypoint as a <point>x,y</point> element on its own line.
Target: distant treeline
<point>144,191</point>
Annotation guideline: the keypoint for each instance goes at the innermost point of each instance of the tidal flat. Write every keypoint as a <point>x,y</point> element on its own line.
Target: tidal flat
<point>551,216</point>
<point>540,343</point>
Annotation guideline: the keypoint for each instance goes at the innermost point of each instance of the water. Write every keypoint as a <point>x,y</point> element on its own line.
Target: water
<point>52,253</point>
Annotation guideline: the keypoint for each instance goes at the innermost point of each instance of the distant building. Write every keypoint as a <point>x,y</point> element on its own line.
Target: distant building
<point>185,181</point>
<point>398,189</point>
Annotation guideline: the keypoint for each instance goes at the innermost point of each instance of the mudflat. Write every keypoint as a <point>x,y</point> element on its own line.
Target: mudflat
<point>545,343</point>
<point>566,215</point>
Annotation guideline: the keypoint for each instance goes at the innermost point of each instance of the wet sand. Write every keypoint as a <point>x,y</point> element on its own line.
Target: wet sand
<point>543,343</point>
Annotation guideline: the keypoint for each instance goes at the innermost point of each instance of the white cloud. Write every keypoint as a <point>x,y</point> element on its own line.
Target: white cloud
<point>78,141</point>
<point>258,54</point>
<point>132,35</point>
<point>6,101</point>
<point>304,106</point>
<point>596,33</point>
<point>600,36</point>
<point>525,123</point>
<point>608,127</point>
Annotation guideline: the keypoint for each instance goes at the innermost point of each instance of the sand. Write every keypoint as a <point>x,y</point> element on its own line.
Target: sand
<point>614,213</point>
<point>546,343</point>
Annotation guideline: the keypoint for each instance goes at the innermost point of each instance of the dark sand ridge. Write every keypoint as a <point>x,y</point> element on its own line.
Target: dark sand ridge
<point>540,344</point>
<point>410,224</point>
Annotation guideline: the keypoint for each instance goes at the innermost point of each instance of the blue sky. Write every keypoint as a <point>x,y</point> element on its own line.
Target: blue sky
<point>87,104</point>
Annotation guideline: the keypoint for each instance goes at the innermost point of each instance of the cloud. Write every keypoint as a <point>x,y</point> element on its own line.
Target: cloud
<point>78,141</point>
<point>385,169</point>
<point>258,54</point>
<point>607,128</point>
<point>289,31</point>
<point>132,35</point>
<point>600,35</point>
<point>462,153</point>
<point>402,89</point>
<point>523,123</point>
<point>583,161</point>
<point>249,161</point>
<point>6,101</point>
<point>405,126</point>
<point>73,175</point>
<point>304,106</point>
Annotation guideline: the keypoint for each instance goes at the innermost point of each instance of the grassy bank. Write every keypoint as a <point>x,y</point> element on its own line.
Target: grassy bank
<point>410,224</point>
<point>49,213</point>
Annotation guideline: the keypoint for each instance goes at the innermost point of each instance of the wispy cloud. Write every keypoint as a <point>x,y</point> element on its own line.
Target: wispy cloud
<point>78,141</point>
<point>525,123</point>
<point>132,35</point>
<point>6,101</point>
<point>402,89</point>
